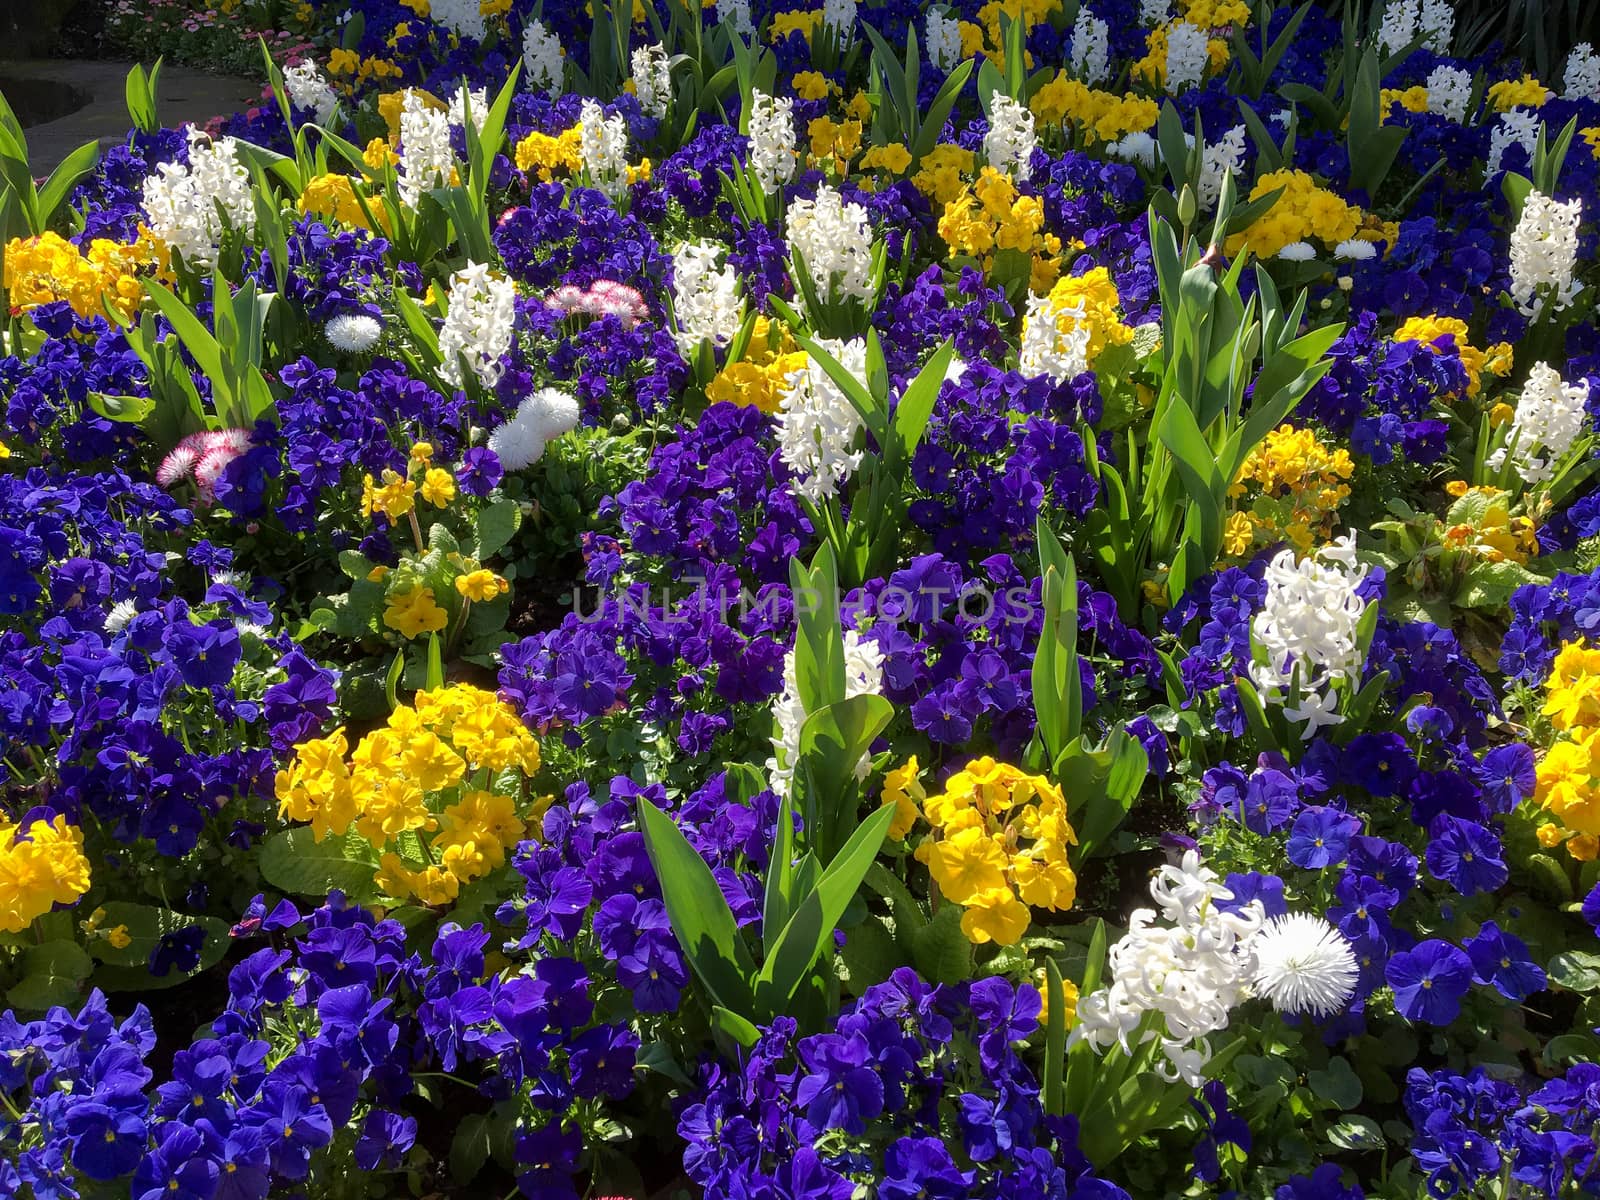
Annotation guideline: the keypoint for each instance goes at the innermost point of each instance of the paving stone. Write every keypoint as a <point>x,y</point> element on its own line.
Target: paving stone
<point>183,95</point>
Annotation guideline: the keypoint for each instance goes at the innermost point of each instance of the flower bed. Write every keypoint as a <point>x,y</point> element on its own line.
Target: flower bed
<point>624,600</point>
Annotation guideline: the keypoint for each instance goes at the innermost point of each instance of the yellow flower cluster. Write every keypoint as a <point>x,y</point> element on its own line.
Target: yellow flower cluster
<point>45,269</point>
<point>942,174</point>
<point>992,216</point>
<point>1295,484</point>
<point>348,62</point>
<point>803,23</point>
<point>1568,775</point>
<point>1097,116</point>
<point>1485,528</point>
<point>1526,92</point>
<point>1412,99</point>
<point>334,195</point>
<point>38,870</point>
<point>428,771</point>
<point>551,154</point>
<point>834,144</point>
<point>1216,14</point>
<point>1302,212</point>
<point>814,85</point>
<point>1089,301</point>
<point>993,45</point>
<point>902,787</point>
<point>999,845</point>
<point>1497,360</point>
<point>761,377</point>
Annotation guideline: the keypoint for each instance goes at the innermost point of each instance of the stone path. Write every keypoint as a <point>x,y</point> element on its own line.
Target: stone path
<point>182,96</point>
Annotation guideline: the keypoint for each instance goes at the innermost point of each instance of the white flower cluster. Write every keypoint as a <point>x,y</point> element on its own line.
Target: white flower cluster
<point>1154,12</point>
<point>1055,340</point>
<point>542,56</point>
<point>1203,962</point>
<point>475,101</point>
<point>1404,20</point>
<point>1091,43</point>
<point>772,152</point>
<point>538,421</point>
<point>1516,127</point>
<point>181,202</point>
<point>1449,92</point>
<point>464,18</point>
<point>426,155</point>
<point>1307,627</point>
<point>1548,419</point>
<point>840,17</point>
<point>1582,79</point>
<point>652,79</point>
<point>705,296</point>
<point>309,91</point>
<point>477,324</point>
<point>1135,148</point>
<point>818,426</point>
<point>1010,141</point>
<point>863,676</point>
<point>1188,56</point>
<point>1544,255</point>
<point>834,240</point>
<point>737,14</point>
<point>1192,970</point>
<point>1222,158</point>
<point>603,147</point>
<point>353,333</point>
<point>942,33</point>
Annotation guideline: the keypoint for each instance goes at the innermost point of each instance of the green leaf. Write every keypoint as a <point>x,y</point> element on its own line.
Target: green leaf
<point>469,1149</point>
<point>1337,1084</point>
<point>51,973</point>
<point>942,952</point>
<point>1576,970</point>
<point>497,524</point>
<point>294,861</point>
<point>819,643</point>
<point>810,931</point>
<point>700,915</point>
<point>1353,1132</point>
<point>832,742</point>
<point>121,408</point>
<point>145,926</point>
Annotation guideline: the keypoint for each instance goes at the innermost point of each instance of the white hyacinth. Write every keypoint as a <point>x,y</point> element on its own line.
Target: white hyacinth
<point>942,33</point>
<point>477,324</point>
<point>839,16</point>
<point>464,18</point>
<point>736,13</point>
<point>863,676</point>
<point>353,333</point>
<point>1188,56</point>
<point>1154,12</point>
<point>1307,628</point>
<point>426,155</point>
<point>1582,79</point>
<point>474,101</point>
<point>1548,420</point>
<point>603,147</point>
<point>542,57</point>
<point>1091,42</point>
<point>181,203</point>
<point>1516,127</point>
<point>1544,255</point>
<point>705,296</point>
<point>1304,965</point>
<point>834,240</point>
<point>309,91</point>
<point>1449,92</point>
<point>1438,21</point>
<point>1191,971</point>
<point>818,427</point>
<point>1009,143</point>
<point>1399,25</point>
<point>652,79</point>
<point>1055,341</point>
<point>772,152</point>
<point>538,421</point>
<point>1221,159</point>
